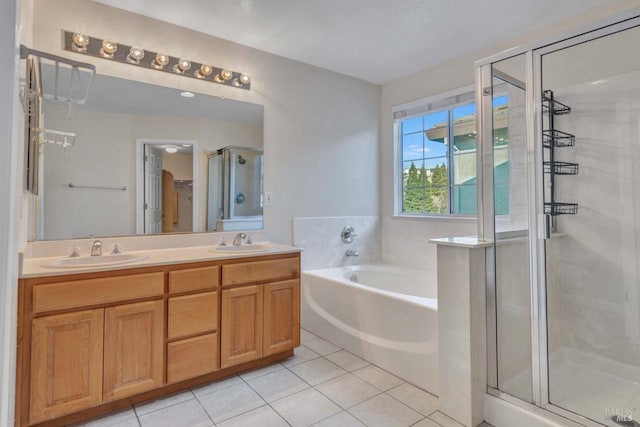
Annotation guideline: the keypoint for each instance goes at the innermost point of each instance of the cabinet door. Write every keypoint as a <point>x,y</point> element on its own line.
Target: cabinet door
<point>281,316</point>
<point>241,325</point>
<point>66,364</point>
<point>133,349</point>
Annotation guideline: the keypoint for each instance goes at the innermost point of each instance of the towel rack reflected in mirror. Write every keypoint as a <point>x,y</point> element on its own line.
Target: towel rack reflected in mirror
<point>96,187</point>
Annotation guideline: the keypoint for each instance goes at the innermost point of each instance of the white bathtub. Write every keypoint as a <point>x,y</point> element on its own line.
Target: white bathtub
<point>389,317</point>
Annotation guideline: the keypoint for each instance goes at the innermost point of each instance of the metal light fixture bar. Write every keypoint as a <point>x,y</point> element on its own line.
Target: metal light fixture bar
<point>134,55</point>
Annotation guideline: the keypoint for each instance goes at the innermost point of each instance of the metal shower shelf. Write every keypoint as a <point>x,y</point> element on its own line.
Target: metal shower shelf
<point>561,168</point>
<point>557,138</point>
<point>558,208</point>
<point>549,103</point>
<point>552,139</point>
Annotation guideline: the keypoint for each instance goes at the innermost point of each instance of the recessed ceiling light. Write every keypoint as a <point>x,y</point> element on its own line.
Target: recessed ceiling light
<point>187,94</point>
<point>171,150</point>
<point>186,145</point>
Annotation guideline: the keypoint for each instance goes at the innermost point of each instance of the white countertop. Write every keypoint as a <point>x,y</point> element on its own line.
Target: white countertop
<point>462,242</point>
<point>38,267</point>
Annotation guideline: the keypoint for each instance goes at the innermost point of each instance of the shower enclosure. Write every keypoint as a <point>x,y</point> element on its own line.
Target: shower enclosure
<point>563,285</point>
<point>234,194</point>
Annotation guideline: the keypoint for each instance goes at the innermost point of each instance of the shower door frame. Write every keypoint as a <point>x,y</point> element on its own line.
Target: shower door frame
<point>533,55</point>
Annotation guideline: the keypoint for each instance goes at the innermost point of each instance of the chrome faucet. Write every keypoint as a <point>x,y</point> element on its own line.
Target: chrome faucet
<point>96,248</point>
<point>351,252</point>
<point>237,241</point>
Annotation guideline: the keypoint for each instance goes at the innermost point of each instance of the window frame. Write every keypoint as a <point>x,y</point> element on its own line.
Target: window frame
<point>445,101</point>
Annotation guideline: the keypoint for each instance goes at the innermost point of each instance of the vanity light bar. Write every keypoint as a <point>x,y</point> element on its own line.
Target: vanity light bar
<point>135,55</point>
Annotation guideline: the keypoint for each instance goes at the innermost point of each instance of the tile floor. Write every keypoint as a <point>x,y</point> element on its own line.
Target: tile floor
<point>321,385</point>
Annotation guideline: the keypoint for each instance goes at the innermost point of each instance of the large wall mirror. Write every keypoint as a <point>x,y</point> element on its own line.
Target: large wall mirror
<point>143,163</point>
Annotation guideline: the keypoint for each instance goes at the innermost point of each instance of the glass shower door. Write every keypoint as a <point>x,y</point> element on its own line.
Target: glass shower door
<point>591,154</point>
<point>510,293</point>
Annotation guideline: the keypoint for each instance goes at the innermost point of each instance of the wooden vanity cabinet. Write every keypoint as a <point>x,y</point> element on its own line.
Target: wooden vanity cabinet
<point>133,349</point>
<point>66,363</point>
<point>92,342</point>
<point>262,318</point>
<point>281,326</point>
<point>81,358</point>
<point>192,326</point>
<point>242,325</point>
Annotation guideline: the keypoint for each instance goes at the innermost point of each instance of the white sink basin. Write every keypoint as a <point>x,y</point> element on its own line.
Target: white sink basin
<point>252,248</point>
<point>95,261</point>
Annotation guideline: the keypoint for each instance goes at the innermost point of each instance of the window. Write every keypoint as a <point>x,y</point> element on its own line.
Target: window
<point>437,158</point>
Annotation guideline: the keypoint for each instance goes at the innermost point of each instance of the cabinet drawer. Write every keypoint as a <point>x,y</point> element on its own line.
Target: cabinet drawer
<point>193,314</point>
<point>193,279</point>
<point>260,271</point>
<point>90,292</point>
<point>192,357</point>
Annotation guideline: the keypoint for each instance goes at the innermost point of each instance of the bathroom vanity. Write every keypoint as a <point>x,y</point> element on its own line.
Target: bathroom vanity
<point>95,341</point>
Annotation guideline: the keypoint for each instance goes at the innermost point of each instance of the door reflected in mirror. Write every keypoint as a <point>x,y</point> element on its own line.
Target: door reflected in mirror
<point>112,188</point>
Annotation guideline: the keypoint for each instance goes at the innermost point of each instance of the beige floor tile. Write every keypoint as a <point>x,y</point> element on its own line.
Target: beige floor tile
<point>341,419</point>
<point>347,361</point>
<point>249,375</point>
<point>300,354</point>
<point>385,411</point>
<point>317,371</point>
<point>278,384</point>
<point>232,401</point>
<point>263,416</point>
<point>215,386</point>
<point>347,390</point>
<point>415,398</point>
<point>321,346</point>
<point>426,423</point>
<point>380,379</point>
<point>306,336</point>
<point>123,418</point>
<point>305,408</point>
<point>443,420</point>
<point>188,413</point>
<point>164,402</point>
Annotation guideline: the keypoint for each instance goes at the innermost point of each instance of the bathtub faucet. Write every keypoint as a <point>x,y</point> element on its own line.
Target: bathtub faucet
<point>350,252</point>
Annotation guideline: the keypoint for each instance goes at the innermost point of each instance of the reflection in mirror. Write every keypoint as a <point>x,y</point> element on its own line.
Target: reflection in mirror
<point>235,189</point>
<point>165,168</point>
<point>108,197</point>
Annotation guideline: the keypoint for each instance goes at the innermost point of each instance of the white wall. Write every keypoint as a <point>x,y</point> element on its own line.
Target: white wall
<point>179,164</point>
<point>321,136</point>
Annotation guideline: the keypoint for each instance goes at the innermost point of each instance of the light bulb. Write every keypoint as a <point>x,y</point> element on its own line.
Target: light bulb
<point>245,79</point>
<point>203,71</point>
<point>223,76</point>
<point>160,61</point>
<point>80,42</point>
<point>108,49</point>
<point>182,66</point>
<point>135,55</point>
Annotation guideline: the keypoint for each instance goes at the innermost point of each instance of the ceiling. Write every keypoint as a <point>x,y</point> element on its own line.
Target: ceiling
<point>373,40</point>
